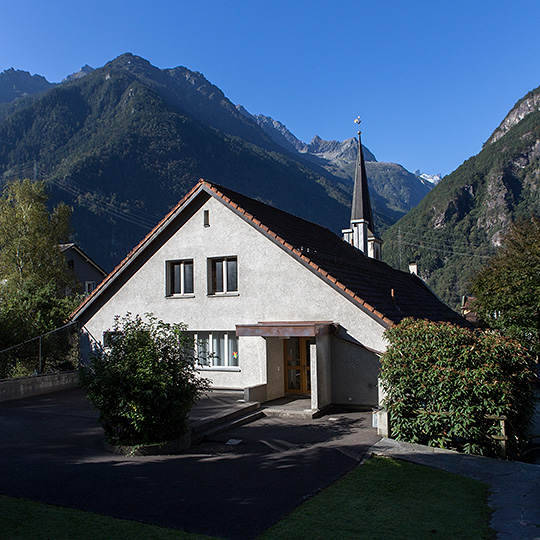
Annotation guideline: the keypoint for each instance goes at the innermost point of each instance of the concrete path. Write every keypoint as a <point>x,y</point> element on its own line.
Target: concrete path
<point>514,486</point>
<point>51,450</point>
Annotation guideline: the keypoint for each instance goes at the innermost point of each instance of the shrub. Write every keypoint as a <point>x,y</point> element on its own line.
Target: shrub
<point>146,383</point>
<point>443,380</point>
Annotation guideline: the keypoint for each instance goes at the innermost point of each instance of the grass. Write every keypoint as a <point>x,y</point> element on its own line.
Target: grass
<point>26,520</point>
<point>383,499</point>
<point>386,499</point>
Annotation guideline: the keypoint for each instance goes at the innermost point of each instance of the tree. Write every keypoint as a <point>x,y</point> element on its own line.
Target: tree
<point>146,383</point>
<point>34,276</point>
<point>507,289</point>
<point>447,386</point>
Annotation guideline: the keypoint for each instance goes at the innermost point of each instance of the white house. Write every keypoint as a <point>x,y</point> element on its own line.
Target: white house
<point>284,306</point>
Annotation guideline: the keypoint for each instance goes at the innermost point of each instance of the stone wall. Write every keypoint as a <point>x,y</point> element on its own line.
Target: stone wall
<point>22,387</point>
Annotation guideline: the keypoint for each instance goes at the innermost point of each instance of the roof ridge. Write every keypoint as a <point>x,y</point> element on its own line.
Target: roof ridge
<point>299,253</point>
<point>365,281</point>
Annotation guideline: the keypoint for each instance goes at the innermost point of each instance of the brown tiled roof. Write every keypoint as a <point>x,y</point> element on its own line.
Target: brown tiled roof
<point>389,294</point>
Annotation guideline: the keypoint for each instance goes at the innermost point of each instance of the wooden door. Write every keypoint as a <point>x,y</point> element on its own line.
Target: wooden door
<point>297,357</point>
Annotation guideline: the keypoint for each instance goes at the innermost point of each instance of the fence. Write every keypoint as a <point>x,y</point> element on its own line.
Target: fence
<point>52,352</point>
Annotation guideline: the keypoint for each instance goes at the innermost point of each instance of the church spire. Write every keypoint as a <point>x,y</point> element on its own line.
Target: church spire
<point>360,234</point>
<point>361,205</point>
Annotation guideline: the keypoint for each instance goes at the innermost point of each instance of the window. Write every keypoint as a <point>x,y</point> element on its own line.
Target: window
<point>216,349</point>
<point>179,278</point>
<point>223,274</point>
<point>89,286</point>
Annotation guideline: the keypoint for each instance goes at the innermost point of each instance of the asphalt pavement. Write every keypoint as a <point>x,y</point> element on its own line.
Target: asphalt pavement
<point>235,485</point>
<point>51,450</point>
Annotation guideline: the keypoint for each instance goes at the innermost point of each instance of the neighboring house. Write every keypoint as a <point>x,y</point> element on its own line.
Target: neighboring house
<point>88,273</point>
<point>278,305</point>
<point>468,311</point>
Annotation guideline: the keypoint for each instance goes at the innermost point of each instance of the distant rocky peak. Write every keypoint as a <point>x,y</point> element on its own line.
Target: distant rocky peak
<point>332,150</point>
<point>277,131</point>
<point>525,106</point>
<point>85,70</point>
<point>242,110</point>
<point>431,178</point>
<point>15,83</point>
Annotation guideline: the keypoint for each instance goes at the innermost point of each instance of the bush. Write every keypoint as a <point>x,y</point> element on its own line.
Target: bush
<point>443,380</point>
<point>146,383</point>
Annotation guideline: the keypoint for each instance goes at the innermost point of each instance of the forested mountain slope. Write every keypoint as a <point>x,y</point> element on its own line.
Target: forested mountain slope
<point>124,143</point>
<point>459,223</point>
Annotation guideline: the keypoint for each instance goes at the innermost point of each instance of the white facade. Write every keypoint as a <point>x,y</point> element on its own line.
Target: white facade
<point>274,287</point>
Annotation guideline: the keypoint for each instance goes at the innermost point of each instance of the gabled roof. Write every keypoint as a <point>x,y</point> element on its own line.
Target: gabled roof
<point>388,295</point>
<point>76,248</point>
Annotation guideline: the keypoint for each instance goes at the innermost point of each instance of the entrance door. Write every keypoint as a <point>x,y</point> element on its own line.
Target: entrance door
<point>297,365</point>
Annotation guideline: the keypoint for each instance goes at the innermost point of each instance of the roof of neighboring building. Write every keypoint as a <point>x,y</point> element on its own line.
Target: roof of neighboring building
<point>76,248</point>
<point>387,294</point>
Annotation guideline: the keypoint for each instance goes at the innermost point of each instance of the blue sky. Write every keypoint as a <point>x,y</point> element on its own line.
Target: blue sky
<point>431,80</point>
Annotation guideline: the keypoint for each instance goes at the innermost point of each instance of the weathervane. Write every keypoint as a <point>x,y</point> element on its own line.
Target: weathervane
<point>358,121</point>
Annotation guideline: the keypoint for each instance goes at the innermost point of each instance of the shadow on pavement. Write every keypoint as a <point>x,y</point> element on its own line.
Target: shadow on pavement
<point>52,451</point>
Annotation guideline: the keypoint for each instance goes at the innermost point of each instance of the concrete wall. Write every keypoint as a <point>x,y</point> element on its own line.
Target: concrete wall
<point>321,373</point>
<point>354,374</point>
<point>272,286</point>
<point>40,384</point>
<point>275,375</point>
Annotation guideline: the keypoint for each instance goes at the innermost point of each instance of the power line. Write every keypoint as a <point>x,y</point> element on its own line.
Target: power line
<point>444,245</point>
<point>133,216</point>
<point>448,251</point>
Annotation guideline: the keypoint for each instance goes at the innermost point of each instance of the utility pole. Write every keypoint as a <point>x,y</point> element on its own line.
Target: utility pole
<point>400,248</point>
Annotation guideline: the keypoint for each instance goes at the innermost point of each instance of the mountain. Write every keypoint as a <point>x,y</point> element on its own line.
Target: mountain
<point>125,142</point>
<point>459,224</point>
<point>16,84</point>
<point>394,189</point>
<point>85,70</point>
<point>431,178</point>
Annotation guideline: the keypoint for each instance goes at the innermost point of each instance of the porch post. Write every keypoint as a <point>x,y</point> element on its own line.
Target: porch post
<point>314,361</point>
<point>321,381</point>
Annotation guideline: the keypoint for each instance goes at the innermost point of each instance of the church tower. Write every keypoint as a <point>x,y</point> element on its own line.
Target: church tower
<point>360,234</point>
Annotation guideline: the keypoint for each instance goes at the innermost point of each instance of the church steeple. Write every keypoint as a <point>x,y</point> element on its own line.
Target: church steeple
<point>360,234</point>
<point>361,205</point>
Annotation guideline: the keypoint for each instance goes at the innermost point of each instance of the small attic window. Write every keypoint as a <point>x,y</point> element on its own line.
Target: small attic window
<point>206,218</point>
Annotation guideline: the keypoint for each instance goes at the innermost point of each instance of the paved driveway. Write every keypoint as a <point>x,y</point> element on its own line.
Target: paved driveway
<point>51,450</point>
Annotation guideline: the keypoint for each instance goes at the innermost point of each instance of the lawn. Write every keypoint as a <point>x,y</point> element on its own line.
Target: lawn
<point>385,500</point>
<point>382,499</point>
<point>27,520</point>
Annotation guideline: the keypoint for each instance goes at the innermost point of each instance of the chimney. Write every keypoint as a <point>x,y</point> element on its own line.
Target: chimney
<point>413,268</point>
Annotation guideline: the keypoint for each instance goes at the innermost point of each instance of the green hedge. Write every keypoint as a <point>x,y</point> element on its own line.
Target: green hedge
<point>145,384</point>
<point>443,380</point>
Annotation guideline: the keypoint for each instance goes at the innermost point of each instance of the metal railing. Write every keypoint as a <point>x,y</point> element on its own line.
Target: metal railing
<point>49,355</point>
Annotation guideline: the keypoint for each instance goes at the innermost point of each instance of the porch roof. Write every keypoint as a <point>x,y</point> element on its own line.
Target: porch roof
<point>287,329</point>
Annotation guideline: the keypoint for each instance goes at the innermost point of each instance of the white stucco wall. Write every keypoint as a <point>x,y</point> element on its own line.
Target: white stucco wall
<point>275,373</point>
<point>321,372</point>
<point>354,374</point>
<point>272,286</point>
